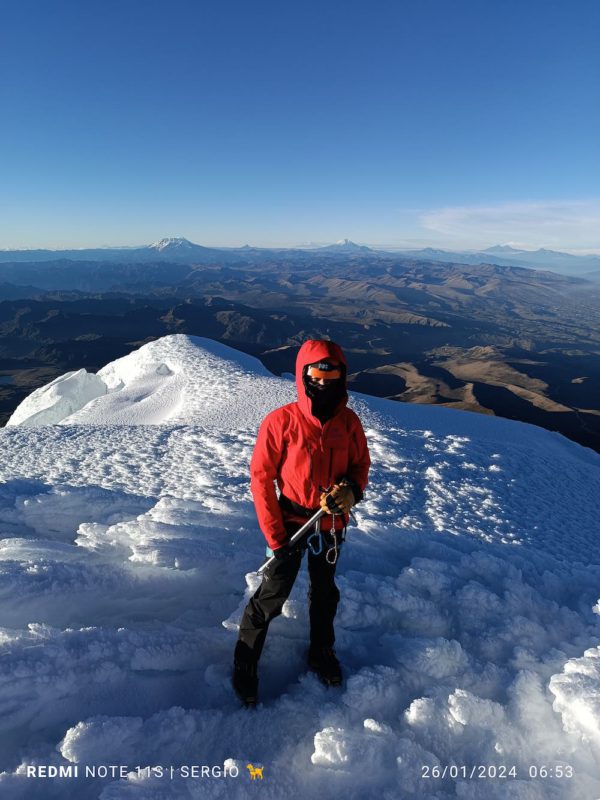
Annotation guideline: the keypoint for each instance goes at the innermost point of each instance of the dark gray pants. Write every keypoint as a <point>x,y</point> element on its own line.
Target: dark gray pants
<point>267,602</point>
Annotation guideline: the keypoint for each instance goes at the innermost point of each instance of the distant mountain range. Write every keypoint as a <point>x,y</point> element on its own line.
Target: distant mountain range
<point>345,246</point>
<point>182,251</point>
<point>504,255</point>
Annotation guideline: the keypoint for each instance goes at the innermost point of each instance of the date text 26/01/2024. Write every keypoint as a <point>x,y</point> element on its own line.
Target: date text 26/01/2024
<point>495,771</point>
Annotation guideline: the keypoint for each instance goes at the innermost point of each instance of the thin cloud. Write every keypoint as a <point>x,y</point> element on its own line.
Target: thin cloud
<point>568,224</point>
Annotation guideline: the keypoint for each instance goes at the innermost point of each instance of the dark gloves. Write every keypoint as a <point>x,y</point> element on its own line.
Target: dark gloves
<point>287,550</point>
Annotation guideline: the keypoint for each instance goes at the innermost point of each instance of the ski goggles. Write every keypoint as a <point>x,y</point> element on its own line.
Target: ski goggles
<point>324,370</point>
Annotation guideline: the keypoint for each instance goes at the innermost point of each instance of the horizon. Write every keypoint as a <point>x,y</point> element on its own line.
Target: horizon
<point>281,125</point>
<point>315,245</point>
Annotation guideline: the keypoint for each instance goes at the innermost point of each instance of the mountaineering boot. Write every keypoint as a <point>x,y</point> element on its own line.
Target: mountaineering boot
<point>323,661</point>
<point>245,675</point>
<point>245,682</point>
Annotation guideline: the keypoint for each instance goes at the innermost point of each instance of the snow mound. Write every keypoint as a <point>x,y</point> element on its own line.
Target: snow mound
<point>577,693</point>
<point>176,379</point>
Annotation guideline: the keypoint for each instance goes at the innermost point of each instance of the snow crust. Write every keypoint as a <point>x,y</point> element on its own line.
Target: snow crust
<point>469,625</point>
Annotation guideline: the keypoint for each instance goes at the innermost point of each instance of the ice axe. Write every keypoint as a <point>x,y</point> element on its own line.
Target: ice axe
<point>297,536</point>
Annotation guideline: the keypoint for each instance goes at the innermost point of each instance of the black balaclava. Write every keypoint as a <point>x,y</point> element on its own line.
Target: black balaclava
<point>324,398</point>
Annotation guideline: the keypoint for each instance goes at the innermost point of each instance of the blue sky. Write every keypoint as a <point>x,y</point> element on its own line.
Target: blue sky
<point>456,123</point>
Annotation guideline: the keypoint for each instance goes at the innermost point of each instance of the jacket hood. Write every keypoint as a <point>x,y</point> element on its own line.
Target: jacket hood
<point>317,350</point>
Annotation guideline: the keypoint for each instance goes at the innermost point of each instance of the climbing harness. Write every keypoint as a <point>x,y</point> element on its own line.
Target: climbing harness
<point>314,540</point>
<point>296,537</point>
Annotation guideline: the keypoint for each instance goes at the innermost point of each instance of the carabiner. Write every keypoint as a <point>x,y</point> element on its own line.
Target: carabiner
<point>313,548</point>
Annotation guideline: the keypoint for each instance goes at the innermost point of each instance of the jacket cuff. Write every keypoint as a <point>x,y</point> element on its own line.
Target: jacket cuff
<point>356,490</point>
<point>273,542</point>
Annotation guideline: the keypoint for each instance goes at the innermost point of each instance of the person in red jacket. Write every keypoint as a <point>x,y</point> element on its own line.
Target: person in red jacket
<point>315,451</point>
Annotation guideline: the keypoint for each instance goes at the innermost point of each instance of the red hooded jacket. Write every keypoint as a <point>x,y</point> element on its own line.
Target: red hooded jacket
<point>302,455</point>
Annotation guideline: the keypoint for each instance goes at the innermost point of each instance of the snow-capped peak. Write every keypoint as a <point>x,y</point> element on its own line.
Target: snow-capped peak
<point>346,246</point>
<point>172,243</point>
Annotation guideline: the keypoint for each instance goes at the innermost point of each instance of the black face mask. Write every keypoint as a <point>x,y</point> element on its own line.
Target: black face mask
<point>324,397</point>
<point>324,389</point>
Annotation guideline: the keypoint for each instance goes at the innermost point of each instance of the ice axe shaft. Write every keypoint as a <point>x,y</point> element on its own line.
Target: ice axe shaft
<point>298,535</point>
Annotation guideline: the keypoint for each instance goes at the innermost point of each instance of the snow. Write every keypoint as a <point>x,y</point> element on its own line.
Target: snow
<point>172,243</point>
<point>164,381</point>
<point>469,625</point>
<point>51,403</point>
